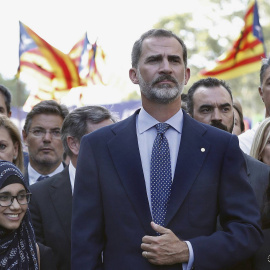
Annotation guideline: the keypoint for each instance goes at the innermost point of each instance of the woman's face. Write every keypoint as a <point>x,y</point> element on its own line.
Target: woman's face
<point>11,216</point>
<point>8,150</point>
<point>237,125</point>
<point>265,155</point>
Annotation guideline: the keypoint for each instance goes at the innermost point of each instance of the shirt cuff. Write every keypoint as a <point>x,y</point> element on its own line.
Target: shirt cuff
<point>188,266</point>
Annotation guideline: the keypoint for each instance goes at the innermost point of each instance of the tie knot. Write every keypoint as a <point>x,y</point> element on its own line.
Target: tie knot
<point>42,177</point>
<point>162,128</point>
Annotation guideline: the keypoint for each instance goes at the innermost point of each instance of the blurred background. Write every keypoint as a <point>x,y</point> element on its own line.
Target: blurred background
<point>208,27</point>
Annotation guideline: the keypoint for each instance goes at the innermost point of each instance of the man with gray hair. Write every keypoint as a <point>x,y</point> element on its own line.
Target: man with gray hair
<point>246,138</point>
<point>149,188</point>
<point>51,202</point>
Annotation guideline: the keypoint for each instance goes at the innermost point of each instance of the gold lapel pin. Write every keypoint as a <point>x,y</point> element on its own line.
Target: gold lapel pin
<point>202,149</point>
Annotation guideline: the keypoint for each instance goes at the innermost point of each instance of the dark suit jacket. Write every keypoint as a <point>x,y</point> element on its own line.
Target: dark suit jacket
<point>50,207</point>
<point>261,259</point>
<point>47,259</point>
<point>111,211</point>
<point>258,177</point>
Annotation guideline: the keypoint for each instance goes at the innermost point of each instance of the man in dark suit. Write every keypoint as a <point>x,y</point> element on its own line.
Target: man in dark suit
<point>41,134</point>
<point>127,214</point>
<point>51,202</point>
<point>210,101</point>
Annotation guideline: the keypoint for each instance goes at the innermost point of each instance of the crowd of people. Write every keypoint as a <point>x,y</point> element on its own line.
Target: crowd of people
<point>179,184</point>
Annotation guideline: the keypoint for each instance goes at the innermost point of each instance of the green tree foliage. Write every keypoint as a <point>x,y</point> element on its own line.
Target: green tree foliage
<point>209,34</point>
<point>18,90</point>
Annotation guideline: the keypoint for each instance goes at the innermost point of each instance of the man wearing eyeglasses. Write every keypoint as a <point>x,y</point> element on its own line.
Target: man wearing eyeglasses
<point>41,134</point>
<point>51,203</point>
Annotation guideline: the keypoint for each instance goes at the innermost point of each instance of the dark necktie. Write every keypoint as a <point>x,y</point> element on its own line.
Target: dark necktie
<point>42,177</point>
<point>160,175</point>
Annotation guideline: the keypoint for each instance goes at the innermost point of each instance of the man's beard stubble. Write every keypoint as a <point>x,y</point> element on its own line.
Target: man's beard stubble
<point>164,94</point>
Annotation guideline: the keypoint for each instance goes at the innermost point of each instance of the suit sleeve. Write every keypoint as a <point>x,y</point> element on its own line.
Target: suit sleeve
<point>36,217</point>
<point>87,231</point>
<point>239,217</point>
<point>47,259</point>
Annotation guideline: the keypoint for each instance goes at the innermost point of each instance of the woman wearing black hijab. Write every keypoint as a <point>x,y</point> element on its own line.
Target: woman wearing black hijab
<point>18,248</point>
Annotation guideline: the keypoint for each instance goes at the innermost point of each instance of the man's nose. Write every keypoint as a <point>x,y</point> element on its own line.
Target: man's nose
<point>216,115</point>
<point>47,136</point>
<point>165,66</point>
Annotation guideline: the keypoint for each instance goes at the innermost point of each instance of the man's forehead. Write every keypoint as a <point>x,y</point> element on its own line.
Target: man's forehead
<point>212,94</point>
<point>44,119</point>
<point>161,45</point>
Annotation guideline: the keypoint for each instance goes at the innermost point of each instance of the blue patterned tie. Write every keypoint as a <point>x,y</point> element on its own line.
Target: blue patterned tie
<point>160,175</point>
<point>42,177</point>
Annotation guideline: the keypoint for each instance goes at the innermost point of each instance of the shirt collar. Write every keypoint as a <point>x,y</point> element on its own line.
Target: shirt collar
<point>34,175</point>
<point>146,121</point>
<point>72,173</point>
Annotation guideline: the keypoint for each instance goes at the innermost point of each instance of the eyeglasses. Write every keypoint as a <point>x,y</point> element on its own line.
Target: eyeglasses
<point>7,200</point>
<point>41,132</point>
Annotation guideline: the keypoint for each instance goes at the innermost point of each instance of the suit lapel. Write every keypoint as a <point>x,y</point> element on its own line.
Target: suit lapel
<point>124,150</point>
<point>246,157</point>
<point>61,195</point>
<point>192,152</point>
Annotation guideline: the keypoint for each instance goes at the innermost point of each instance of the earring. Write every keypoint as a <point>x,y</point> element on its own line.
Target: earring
<point>14,157</point>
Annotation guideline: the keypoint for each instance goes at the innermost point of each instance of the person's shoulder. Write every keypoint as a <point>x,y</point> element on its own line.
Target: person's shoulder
<point>256,162</point>
<point>110,130</point>
<point>46,183</point>
<point>47,258</point>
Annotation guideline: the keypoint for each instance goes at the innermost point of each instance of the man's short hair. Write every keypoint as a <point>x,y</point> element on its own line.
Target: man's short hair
<point>137,47</point>
<point>75,124</point>
<point>264,67</point>
<point>208,82</point>
<point>7,95</point>
<point>45,107</point>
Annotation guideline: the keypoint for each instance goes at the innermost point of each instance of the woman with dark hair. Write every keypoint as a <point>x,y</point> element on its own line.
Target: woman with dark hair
<point>18,247</point>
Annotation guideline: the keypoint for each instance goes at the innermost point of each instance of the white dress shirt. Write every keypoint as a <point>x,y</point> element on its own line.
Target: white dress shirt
<point>72,173</point>
<point>246,139</point>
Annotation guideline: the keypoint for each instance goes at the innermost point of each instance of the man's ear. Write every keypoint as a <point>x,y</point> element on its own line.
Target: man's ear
<point>73,145</point>
<point>133,75</point>
<point>24,136</point>
<point>260,92</point>
<point>187,75</point>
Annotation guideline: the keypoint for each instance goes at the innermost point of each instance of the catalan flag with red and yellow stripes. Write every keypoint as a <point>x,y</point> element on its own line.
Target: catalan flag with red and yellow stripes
<point>246,53</point>
<point>54,71</point>
<point>89,59</point>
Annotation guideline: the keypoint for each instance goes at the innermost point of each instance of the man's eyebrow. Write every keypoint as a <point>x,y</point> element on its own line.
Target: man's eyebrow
<point>153,57</point>
<point>171,57</point>
<point>225,105</point>
<point>206,106</point>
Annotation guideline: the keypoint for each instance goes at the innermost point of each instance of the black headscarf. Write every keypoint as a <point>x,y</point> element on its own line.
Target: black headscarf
<point>18,247</point>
